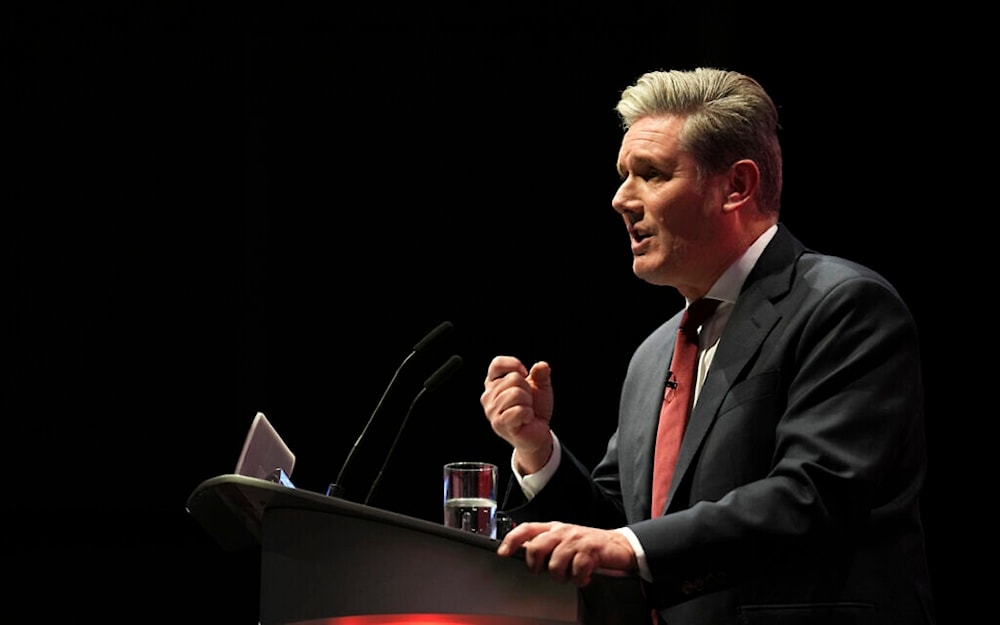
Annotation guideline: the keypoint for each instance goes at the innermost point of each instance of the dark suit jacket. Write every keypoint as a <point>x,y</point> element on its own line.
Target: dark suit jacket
<point>796,495</point>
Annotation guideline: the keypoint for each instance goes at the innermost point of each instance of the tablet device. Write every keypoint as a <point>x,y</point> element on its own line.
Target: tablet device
<point>264,454</point>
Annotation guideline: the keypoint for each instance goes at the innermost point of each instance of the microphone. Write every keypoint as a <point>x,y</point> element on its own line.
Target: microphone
<point>336,489</point>
<point>671,380</point>
<point>435,380</point>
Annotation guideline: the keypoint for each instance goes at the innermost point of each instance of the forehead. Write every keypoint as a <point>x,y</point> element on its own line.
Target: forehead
<point>653,134</point>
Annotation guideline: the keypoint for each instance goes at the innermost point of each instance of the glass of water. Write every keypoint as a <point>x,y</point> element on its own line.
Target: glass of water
<point>470,497</point>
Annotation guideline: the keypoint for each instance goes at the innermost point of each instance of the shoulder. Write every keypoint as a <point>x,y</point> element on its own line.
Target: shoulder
<point>824,273</point>
<point>788,263</point>
<point>835,293</point>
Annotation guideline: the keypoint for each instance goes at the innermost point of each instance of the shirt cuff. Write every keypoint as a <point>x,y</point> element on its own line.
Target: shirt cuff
<point>532,484</point>
<point>640,554</point>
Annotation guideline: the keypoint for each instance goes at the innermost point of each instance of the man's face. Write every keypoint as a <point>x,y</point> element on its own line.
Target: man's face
<point>670,216</point>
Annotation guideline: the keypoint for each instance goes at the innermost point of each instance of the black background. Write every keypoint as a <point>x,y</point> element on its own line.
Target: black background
<point>212,211</point>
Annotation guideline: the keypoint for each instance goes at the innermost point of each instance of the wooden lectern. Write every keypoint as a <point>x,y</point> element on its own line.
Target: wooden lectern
<point>329,561</point>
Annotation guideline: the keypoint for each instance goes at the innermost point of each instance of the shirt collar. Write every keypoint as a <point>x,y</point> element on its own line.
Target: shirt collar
<point>727,287</point>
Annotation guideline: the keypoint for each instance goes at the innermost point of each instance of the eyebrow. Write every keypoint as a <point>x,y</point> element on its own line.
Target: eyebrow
<point>637,161</point>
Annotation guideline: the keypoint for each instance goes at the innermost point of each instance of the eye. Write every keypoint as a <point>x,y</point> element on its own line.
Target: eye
<point>645,174</point>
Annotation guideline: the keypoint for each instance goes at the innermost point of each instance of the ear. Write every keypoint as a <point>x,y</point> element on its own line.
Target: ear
<point>741,184</point>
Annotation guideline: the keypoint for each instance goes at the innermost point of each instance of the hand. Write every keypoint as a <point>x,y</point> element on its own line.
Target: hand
<point>518,404</point>
<point>569,552</point>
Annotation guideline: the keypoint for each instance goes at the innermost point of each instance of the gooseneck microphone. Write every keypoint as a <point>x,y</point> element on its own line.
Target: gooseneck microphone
<point>336,489</point>
<point>435,380</point>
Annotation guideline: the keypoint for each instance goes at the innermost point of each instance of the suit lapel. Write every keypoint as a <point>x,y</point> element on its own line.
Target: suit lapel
<point>753,318</point>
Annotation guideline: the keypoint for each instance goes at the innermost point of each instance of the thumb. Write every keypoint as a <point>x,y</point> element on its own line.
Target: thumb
<point>541,376</point>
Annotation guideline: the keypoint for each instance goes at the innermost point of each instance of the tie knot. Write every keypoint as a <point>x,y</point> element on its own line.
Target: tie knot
<point>698,312</point>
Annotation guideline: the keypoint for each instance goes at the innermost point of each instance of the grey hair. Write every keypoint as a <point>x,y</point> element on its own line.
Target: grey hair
<point>728,117</point>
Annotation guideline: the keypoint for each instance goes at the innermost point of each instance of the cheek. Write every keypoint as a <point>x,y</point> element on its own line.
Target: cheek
<point>663,205</point>
<point>681,214</point>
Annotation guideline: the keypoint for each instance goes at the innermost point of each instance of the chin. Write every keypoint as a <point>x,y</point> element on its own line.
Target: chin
<point>648,271</point>
<point>643,271</point>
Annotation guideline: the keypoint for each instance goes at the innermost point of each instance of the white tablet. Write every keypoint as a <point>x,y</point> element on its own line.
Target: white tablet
<point>264,454</point>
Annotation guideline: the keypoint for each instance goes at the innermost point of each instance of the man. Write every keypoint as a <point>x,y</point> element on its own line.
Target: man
<point>795,495</point>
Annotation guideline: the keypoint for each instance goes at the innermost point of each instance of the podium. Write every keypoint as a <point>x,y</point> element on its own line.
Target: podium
<point>329,561</point>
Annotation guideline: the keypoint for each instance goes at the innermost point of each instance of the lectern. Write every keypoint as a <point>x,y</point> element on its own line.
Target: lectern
<point>329,561</point>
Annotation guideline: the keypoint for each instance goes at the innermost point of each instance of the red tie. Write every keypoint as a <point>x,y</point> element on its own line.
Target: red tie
<point>677,399</point>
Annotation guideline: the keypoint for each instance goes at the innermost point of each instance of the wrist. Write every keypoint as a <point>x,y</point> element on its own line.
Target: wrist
<point>534,460</point>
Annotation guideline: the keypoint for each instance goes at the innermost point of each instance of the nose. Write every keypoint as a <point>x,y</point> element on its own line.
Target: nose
<point>618,201</point>
<point>624,200</point>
